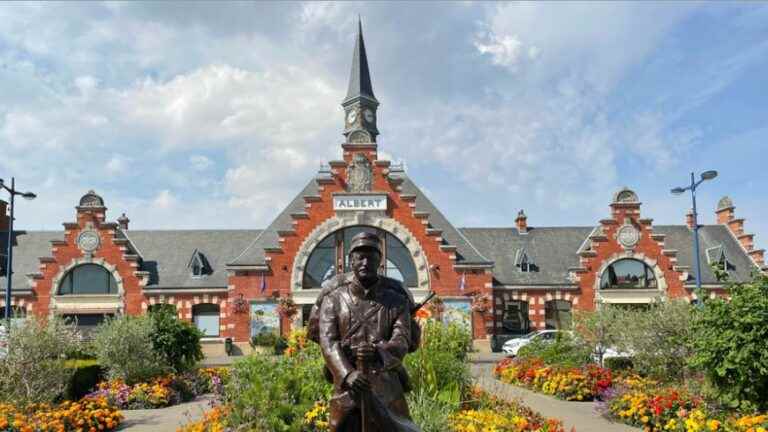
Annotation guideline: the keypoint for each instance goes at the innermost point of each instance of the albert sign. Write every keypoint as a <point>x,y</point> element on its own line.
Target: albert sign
<point>372,202</point>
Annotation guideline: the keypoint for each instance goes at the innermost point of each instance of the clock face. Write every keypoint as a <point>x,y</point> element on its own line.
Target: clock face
<point>88,241</point>
<point>368,115</point>
<point>351,116</point>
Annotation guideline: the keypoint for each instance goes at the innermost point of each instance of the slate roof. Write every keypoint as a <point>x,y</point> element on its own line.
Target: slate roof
<point>253,253</point>
<point>28,246</point>
<point>552,250</point>
<point>165,254</point>
<point>679,237</point>
<point>466,252</point>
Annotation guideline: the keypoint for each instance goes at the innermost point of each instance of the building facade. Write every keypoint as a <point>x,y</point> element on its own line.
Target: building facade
<point>233,283</point>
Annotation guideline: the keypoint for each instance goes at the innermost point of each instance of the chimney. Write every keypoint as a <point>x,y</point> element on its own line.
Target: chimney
<point>724,210</point>
<point>123,222</point>
<point>689,219</point>
<point>5,220</point>
<point>522,222</point>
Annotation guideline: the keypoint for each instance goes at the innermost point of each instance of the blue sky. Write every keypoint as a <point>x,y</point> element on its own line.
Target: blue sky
<point>214,115</point>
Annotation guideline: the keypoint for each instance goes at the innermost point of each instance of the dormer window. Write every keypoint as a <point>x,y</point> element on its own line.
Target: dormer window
<point>524,261</point>
<point>198,265</point>
<point>716,258</point>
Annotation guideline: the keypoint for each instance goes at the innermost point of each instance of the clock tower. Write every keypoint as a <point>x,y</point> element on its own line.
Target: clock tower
<point>360,104</point>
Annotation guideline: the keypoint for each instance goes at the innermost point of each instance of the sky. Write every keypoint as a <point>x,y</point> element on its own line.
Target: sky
<point>215,115</point>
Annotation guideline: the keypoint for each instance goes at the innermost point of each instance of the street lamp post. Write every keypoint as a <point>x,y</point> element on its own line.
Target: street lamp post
<point>706,175</point>
<point>9,267</point>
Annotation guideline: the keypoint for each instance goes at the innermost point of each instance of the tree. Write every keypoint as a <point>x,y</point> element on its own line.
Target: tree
<point>33,369</point>
<point>730,344</point>
<point>177,341</point>
<point>658,337</point>
<point>124,347</point>
<point>598,330</point>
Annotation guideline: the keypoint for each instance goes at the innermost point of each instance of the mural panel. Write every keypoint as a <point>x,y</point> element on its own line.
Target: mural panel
<point>264,318</point>
<point>458,311</point>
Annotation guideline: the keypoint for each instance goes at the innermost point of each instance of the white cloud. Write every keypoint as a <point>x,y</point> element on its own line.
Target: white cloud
<point>200,162</point>
<point>164,199</point>
<point>505,50</point>
<point>117,165</point>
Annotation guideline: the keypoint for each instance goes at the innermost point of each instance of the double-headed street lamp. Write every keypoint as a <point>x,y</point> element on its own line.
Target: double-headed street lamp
<point>9,267</point>
<point>706,175</point>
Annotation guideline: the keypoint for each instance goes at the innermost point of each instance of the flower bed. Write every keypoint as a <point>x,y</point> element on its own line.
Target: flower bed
<point>654,408</point>
<point>212,421</point>
<point>488,413</point>
<point>482,413</point>
<point>583,383</point>
<point>88,414</point>
<point>162,391</point>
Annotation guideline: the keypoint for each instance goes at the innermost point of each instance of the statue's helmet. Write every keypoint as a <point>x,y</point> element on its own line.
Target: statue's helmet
<point>366,240</point>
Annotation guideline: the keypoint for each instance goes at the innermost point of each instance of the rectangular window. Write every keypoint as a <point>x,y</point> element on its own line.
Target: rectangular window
<point>208,324</point>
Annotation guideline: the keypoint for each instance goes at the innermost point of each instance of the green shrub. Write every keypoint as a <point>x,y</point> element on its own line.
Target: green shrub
<point>87,373</point>
<point>730,345</point>
<point>439,366</point>
<point>177,341</point>
<point>439,374</point>
<point>273,393</point>
<point>264,339</point>
<point>33,370</point>
<point>659,339</point>
<point>124,347</point>
<point>432,415</point>
<point>619,364</point>
<point>565,350</point>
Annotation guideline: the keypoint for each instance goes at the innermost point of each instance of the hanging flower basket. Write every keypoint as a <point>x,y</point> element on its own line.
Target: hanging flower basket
<point>286,307</point>
<point>240,304</point>
<point>482,303</point>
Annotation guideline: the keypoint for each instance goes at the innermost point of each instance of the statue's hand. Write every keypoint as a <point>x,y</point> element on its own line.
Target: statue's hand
<point>357,382</point>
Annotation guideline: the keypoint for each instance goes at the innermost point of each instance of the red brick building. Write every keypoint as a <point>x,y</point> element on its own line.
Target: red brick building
<point>229,282</point>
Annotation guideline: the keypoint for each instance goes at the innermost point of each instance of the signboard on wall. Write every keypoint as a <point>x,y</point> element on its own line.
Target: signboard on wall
<point>264,318</point>
<point>458,311</point>
<point>358,202</point>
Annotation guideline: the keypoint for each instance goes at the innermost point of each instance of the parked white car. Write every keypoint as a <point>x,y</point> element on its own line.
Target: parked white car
<point>512,346</point>
<point>610,353</point>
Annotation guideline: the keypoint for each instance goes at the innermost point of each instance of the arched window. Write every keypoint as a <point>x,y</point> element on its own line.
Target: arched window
<point>88,279</point>
<point>515,318</point>
<point>628,274</point>
<point>206,318</point>
<point>332,255</point>
<point>557,314</point>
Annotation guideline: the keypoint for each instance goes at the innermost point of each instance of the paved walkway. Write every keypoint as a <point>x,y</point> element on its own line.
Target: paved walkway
<point>165,419</point>
<point>580,415</point>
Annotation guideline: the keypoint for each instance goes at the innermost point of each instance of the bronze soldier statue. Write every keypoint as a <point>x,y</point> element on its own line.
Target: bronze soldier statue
<point>363,323</point>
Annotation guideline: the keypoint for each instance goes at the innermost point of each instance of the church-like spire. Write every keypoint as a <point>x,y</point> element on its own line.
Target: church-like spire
<point>360,105</point>
<point>360,75</point>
